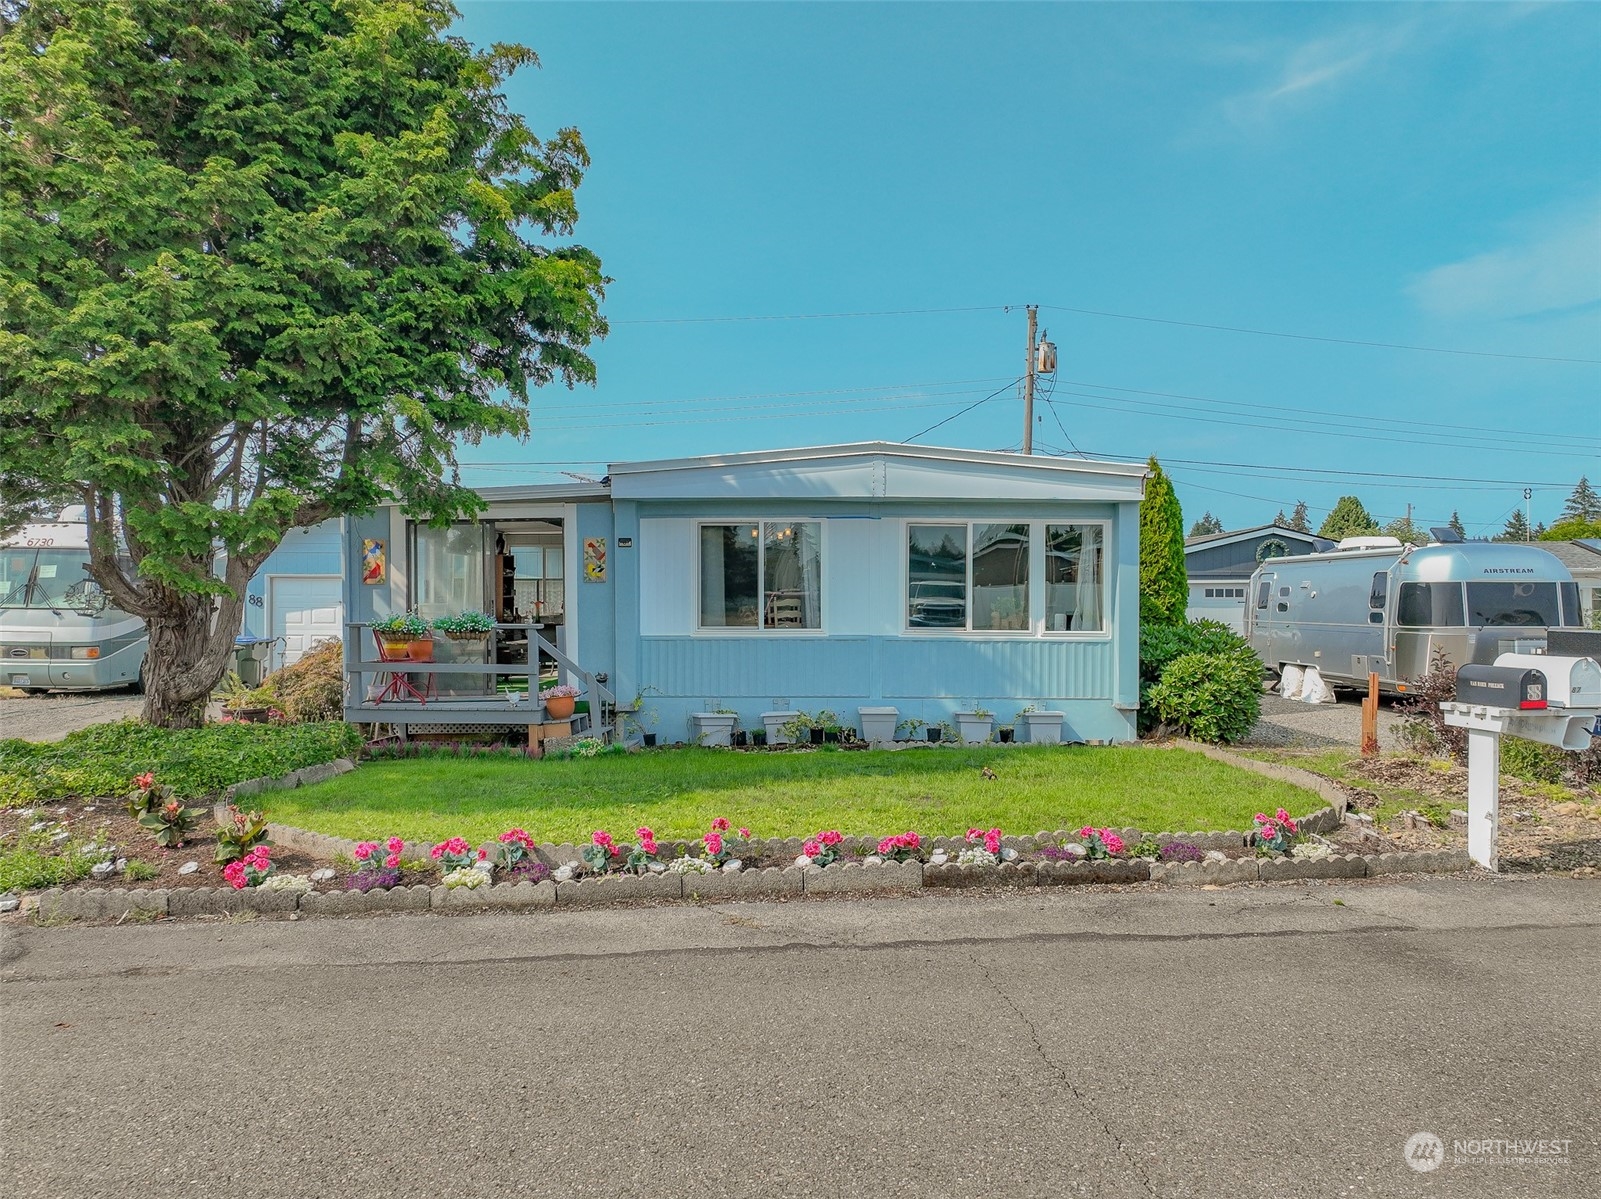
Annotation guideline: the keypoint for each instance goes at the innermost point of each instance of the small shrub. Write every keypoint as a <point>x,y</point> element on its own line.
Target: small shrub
<point>1531,761</point>
<point>1210,697</point>
<point>1160,644</point>
<point>1423,725</point>
<point>313,689</point>
<point>140,872</point>
<point>239,834</point>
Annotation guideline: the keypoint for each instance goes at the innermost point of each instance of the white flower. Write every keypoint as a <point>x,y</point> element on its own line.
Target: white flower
<point>688,865</point>
<point>1311,852</point>
<point>465,876</point>
<point>976,856</point>
<point>285,882</point>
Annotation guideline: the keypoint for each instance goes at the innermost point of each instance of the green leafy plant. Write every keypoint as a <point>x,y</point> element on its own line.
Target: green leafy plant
<point>402,625</point>
<point>239,834</point>
<point>1145,848</point>
<point>799,726</point>
<point>171,823</point>
<point>911,726</point>
<point>140,872</point>
<point>1210,697</point>
<point>237,695</point>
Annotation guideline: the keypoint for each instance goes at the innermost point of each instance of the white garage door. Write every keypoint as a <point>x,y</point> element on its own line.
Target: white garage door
<point>304,612</point>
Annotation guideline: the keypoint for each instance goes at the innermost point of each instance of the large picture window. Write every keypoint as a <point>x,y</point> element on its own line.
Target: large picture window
<point>980,577</point>
<point>761,575</point>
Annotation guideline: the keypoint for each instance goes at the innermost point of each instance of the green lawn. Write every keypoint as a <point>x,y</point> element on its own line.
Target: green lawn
<point>678,792</point>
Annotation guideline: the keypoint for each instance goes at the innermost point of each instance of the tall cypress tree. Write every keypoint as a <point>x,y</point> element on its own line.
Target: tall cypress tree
<point>1164,583</point>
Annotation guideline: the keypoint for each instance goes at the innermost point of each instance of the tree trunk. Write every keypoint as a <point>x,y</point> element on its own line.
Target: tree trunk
<point>190,649</point>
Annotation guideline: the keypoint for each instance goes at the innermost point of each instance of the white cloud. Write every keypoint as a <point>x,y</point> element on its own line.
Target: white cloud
<point>1554,267</point>
<point>1310,68</point>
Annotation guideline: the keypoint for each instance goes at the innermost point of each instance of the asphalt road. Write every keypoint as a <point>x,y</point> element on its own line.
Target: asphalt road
<point>1265,1041</point>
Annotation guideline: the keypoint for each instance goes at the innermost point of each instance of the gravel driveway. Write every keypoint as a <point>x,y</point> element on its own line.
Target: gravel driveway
<point>1290,723</point>
<point>52,717</point>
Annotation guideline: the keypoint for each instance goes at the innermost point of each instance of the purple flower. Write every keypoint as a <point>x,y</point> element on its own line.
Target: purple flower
<point>1056,853</point>
<point>382,878</point>
<point>529,870</point>
<point>1181,851</point>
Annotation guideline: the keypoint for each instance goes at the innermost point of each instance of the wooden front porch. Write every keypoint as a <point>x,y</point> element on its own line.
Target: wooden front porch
<point>405,694</point>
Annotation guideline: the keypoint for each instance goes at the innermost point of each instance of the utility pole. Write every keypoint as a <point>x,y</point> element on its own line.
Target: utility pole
<point>1528,514</point>
<point>1028,380</point>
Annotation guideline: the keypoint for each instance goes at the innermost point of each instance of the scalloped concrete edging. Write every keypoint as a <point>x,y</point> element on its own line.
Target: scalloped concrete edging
<point>319,772</point>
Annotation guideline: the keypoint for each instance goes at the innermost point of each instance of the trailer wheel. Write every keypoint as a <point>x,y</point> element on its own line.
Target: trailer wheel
<point>137,687</point>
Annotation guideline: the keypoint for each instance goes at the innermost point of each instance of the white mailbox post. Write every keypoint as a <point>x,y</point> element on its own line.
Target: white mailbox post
<point>1546,698</point>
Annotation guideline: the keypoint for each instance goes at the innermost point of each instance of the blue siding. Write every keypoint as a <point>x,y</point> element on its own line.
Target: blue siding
<point>593,602</point>
<point>318,550</point>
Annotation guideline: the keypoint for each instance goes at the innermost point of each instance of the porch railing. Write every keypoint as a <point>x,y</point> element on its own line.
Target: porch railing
<point>364,671</point>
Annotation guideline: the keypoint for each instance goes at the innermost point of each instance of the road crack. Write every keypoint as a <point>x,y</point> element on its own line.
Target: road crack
<point>1134,1164</point>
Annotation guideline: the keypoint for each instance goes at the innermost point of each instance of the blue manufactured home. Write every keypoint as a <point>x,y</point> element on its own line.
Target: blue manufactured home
<point>833,577</point>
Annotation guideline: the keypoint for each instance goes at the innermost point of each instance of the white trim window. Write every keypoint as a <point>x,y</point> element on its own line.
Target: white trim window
<point>1005,577</point>
<point>761,575</point>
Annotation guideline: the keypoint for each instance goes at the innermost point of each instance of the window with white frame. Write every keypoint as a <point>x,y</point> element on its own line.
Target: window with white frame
<point>761,574</point>
<point>981,577</point>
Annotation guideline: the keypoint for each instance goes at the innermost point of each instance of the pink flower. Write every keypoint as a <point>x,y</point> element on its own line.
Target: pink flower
<point>261,853</point>
<point>1086,831</point>
<point>992,840</point>
<point>1113,843</point>
<point>714,843</point>
<point>482,854</point>
<point>364,850</point>
<point>234,872</point>
<point>973,834</point>
<point>720,825</point>
<point>644,834</point>
<point>911,840</point>
<point>437,851</point>
<point>744,834</point>
<point>392,861</point>
<point>1260,818</point>
<point>394,845</point>
<point>602,838</point>
<point>144,781</point>
<point>1269,829</point>
<point>812,848</point>
<point>831,837</point>
<point>1282,814</point>
<point>886,846</point>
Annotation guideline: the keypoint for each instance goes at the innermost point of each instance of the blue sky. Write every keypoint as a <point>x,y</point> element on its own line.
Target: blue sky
<point>1422,175</point>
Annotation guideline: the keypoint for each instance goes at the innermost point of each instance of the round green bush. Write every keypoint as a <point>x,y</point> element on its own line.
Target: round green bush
<point>1210,697</point>
<point>1161,643</point>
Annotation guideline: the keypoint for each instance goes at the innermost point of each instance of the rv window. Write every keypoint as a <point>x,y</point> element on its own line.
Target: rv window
<point>1262,593</point>
<point>1572,616</point>
<point>1380,590</point>
<point>1522,605</point>
<point>1429,605</point>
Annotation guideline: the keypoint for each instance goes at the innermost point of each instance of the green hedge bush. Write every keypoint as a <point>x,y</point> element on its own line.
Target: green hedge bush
<point>1209,696</point>
<point>1161,643</point>
<point>101,761</point>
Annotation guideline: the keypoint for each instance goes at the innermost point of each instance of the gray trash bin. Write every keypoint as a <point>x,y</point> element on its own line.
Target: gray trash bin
<point>251,657</point>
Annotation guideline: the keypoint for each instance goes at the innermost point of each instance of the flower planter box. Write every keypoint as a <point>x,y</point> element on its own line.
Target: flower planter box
<point>975,730</point>
<point>1111,870</point>
<point>1041,728</point>
<point>773,724</point>
<point>712,728</point>
<point>878,724</point>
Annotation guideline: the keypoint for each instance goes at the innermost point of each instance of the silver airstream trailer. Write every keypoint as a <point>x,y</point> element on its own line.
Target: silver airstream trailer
<point>1375,605</point>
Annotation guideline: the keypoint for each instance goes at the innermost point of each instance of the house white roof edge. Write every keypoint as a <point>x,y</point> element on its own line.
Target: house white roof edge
<point>887,449</point>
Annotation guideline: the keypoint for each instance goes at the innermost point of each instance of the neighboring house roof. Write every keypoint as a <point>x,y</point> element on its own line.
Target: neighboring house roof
<point>1232,535</point>
<point>1580,557</point>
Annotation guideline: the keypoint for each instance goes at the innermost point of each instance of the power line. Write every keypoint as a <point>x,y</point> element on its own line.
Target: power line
<point>963,412</point>
<point>804,316</point>
<point>1342,341</point>
<point>1366,474</point>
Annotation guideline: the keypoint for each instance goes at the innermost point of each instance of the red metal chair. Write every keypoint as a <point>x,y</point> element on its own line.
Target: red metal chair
<point>397,685</point>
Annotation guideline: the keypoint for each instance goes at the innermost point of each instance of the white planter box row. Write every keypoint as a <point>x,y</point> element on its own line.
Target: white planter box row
<point>878,725</point>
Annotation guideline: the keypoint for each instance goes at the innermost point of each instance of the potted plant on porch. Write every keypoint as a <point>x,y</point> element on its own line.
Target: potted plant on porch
<point>469,626</point>
<point>405,635</point>
<point>560,700</point>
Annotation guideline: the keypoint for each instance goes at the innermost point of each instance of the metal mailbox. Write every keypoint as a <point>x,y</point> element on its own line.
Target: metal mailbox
<point>1515,687</point>
<point>1570,682</point>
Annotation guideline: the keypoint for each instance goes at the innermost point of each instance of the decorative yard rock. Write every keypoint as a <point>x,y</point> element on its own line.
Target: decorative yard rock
<point>853,879</point>
<point>619,888</point>
<point>733,866</point>
<point>1113,870</point>
<point>10,903</point>
<point>326,875</point>
<point>1207,873</point>
<point>1339,866</point>
<point>101,869</point>
<point>746,884</point>
<point>189,868</point>
<point>1216,855</point>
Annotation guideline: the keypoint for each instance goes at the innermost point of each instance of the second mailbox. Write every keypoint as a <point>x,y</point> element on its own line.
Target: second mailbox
<point>1501,687</point>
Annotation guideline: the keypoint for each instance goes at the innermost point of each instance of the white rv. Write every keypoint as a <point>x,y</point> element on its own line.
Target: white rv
<point>58,628</point>
<point>1374,605</point>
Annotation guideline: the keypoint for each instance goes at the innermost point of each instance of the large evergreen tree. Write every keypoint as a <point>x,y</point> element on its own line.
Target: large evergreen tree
<point>1301,520</point>
<point>1517,528</point>
<point>1584,504</point>
<point>1456,524</point>
<point>263,262</point>
<point>1164,583</point>
<point>1349,519</point>
<point>1403,530</point>
<point>1208,524</point>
